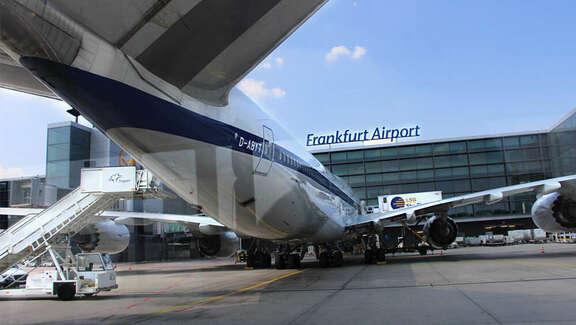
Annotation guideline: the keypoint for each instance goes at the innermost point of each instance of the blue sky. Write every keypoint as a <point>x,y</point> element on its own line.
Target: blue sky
<point>456,68</point>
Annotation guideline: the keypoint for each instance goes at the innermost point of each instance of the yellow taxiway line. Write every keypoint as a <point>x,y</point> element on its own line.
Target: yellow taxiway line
<point>211,299</point>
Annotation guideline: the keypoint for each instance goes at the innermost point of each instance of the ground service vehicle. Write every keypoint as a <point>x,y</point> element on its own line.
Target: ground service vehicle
<point>91,274</point>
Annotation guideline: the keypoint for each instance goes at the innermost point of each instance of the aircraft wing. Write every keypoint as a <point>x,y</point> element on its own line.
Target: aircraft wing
<point>131,218</point>
<point>19,211</point>
<point>441,207</point>
<point>203,47</point>
<point>135,218</point>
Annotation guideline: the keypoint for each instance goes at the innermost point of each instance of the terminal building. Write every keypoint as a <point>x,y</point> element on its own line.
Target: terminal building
<point>458,166</point>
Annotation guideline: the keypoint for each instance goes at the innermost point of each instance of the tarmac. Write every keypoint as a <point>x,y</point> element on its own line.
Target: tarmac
<point>522,284</point>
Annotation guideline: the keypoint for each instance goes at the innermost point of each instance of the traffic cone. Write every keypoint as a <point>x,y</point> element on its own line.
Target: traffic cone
<point>542,250</point>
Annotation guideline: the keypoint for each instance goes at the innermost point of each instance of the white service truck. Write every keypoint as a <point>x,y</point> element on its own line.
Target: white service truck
<point>91,274</point>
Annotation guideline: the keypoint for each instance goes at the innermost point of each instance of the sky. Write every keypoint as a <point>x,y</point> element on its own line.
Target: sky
<point>455,68</point>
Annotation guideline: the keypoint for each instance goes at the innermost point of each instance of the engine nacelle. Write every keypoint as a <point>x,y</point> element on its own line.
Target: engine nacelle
<point>222,245</point>
<point>440,232</point>
<point>555,213</point>
<point>103,237</point>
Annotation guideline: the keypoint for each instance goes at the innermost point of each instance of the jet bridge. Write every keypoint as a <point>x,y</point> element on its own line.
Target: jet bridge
<point>100,188</point>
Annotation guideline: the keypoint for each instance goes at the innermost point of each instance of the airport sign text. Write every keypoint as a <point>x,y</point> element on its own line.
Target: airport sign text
<point>378,134</point>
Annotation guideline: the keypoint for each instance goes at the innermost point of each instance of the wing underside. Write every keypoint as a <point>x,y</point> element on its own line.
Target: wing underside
<point>202,47</point>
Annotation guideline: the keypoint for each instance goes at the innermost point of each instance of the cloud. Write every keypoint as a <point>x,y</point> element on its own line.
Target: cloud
<point>278,93</point>
<point>272,63</point>
<point>359,52</point>
<point>11,172</point>
<point>279,62</point>
<point>342,51</point>
<point>256,89</point>
<point>336,52</point>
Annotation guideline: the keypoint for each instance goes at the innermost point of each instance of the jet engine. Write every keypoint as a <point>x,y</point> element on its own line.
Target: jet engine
<point>103,237</point>
<point>221,245</point>
<point>440,232</point>
<point>555,213</point>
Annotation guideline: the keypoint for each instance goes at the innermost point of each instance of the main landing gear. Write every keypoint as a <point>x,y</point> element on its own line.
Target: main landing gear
<point>285,258</point>
<point>259,259</point>
<point>258,255</point>
<point>328,256</point>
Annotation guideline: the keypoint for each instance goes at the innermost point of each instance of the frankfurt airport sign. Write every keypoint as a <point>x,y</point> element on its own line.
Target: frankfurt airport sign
<point>366,135</point>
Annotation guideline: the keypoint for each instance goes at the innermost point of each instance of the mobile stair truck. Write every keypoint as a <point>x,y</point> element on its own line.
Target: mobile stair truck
<point>49,231</point>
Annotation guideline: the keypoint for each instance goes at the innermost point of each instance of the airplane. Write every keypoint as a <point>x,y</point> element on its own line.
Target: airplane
<point>158,78</point>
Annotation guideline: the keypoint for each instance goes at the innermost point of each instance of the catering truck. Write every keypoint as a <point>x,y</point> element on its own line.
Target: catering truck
<point>410,239</point>
<point>398,201</point>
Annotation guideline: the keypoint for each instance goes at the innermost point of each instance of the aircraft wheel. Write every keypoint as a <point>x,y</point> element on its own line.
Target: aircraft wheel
<point>337,258</point>
<point>280,261</point>
<point>381,255</point>
<point>294,261</point>
<point>368,257</point>
<point>259,259</point>
<point>324,260</point>
<point>268,260</point>
<point>251,260</point>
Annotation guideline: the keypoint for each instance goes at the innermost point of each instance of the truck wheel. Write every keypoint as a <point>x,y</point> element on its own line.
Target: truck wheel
<point>66,292</point>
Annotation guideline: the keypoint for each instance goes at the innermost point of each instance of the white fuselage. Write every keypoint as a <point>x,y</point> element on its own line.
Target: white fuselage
<point>234,162</point>
<point>255,196</point>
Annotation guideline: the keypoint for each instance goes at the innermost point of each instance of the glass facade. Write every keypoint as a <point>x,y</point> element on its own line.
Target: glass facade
<point>563,147</point>
<point>68,150</point>
<point>455,168</point>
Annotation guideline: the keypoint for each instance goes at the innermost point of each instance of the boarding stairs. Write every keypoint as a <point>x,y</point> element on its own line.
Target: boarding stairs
<point>100,188</point>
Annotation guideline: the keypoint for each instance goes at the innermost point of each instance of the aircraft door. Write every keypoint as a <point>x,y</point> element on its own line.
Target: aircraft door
<point>266,152</point>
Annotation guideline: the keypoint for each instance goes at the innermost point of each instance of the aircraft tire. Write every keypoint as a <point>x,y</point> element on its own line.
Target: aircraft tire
<point>280,262</point>
<point>324,260</point>
<point>381,255</point>
<point>250,260</point>
<point>337,258</point>
<point>368,257</point>
<point>268,260</point>
<point>294,261</point>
